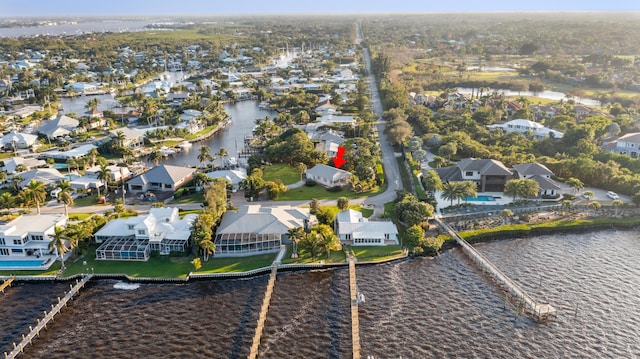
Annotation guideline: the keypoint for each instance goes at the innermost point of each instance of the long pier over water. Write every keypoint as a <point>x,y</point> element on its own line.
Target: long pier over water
<point>48,317</point>
<point>539,311</point>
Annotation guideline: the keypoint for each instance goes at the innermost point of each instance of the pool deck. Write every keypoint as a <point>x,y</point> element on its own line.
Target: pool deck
<point>499,199</point>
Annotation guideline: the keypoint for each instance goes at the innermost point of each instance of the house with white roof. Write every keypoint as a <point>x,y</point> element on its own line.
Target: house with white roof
<point>235,177</point>
<point>164,178</point>
<point>74,153</point>
<point>254,229</point>
<point>15,140</point>
<point>27,238</point>
<point>48,176</point>
<point>11,163</point>
<point>329,120</point>
<point>356,230</point>
<point>328,176</point>
<point>522,126</point>
<point>133,138</point>
<point>59,127</point>
<point>134,238</point>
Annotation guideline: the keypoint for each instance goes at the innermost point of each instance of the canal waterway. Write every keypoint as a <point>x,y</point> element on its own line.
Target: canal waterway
<point>440,307</point>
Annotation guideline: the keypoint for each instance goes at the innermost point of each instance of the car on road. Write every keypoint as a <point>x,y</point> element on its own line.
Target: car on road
<point>613,195</point>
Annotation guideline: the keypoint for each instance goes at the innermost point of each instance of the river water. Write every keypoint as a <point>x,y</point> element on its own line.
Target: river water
<point>76,29</point>
<point>439,307</point>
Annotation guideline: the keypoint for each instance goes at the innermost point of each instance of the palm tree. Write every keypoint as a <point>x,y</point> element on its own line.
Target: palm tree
<point>7,201</point>
<point>588,195</point>
<point>296,234</point>
<point>120,138</point>
<point>301,168</point>
<point>92,104</point>
<point>576,184</point>
<point>104,173</point>
<point>205,154</point>
<point>312,241</point>
<point>155,156</point>
<point>468,189</point>
<point>617,204</point>
<point>58,243</point>
<point>35,193</point>
<point>202,179</point>
<point>449,192</point>
<point>94,154</point>
<point>64,195</point>
<point>208,248</point>
<point>222,153</point>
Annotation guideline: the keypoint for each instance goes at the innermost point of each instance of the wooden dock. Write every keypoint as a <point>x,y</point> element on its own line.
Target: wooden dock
<point>538,311</point>
<point>263,313</point>
<point>355,321</point>
<point>48,317</point>
<point>6,284</point>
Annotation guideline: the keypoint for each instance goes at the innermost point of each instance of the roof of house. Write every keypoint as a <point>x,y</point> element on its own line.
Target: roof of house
<point>18,137</point>
<point>159,220</point>
<point>531,169</point>
<point>11,163</point>
<point>545,183</point>
<point>31,223</point>
<point>263,220</point>
<point>233,176</point>
<point>351,221</point>
<point>163,174</point>
<point>63,122</point>
<point>486,167</point>
<point>630,137</point>
<point>349,215</point>
<point>129,133</point>
<point>328,172</point>
<point>46,175</point>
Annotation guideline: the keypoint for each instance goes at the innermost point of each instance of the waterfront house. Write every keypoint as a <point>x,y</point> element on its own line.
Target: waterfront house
<point>353,229</point>
<point>254,229</point>
<point>490,175</point>
<point>28,237</point>
<point>48,176</point>
<point>133,138</point>
<point>235,177</point>
<point>75,153</point>
<point>134,238</point>
<point>163,178</point>
<point>548,188</point>
<point>328,176</point>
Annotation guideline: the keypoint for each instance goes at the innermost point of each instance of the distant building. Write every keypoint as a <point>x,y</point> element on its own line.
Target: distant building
<point>523,126</point>
<point>628,144</point>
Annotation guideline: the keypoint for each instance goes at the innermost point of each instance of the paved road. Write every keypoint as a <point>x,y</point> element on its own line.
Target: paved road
<point>389,162</point>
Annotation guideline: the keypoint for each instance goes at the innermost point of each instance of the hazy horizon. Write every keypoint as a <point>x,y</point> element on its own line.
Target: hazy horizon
<point>77,8</point>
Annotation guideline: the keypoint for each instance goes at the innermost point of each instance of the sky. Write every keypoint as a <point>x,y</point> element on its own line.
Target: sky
<point>57,8</point>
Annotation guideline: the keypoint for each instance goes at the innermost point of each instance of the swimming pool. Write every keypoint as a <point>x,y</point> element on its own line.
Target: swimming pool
<point>27,263</point>
<point>479,199</point>
<point>60,166</point>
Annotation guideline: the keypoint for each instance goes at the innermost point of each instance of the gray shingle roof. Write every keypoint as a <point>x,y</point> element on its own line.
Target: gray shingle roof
<point>163,174</point>
<point>328,172</point>
<point>531,169</point>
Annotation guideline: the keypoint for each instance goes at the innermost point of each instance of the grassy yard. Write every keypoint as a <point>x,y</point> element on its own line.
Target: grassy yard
<point>376,253</point>
<point>197,197</point>
<point>305,257</point>
<point>284,172</point>
<point>319,192</point>
<point>388,209</point>
<point>166,267</point>
<point>79,216</point>
<point>91,200</point>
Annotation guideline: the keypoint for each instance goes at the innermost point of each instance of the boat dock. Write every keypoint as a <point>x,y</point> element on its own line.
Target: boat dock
<point>539,311</point>
<point>48,317</point>
<point>355,321</point>
<point>6,284</point>
<point>263,313</point>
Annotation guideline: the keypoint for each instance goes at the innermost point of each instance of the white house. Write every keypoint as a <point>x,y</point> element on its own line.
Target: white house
<point>356,230</point>
<point>134,238</point>
<point>10,164</point>
<point>628,144</point>
<point>18,140</point>
<point>235,177</point>
<point>59,127</point>
<point>522,126</point>
<point>133,138</point>
<point>541,174</point>
<point>27,239</point>
<point>254,229</point>
<point>328,176</point>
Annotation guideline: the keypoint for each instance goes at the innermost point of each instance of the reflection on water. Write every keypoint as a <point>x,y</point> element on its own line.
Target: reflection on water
<point>441,307</point>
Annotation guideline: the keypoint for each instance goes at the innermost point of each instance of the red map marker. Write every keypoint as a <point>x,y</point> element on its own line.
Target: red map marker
<point>337,160</point>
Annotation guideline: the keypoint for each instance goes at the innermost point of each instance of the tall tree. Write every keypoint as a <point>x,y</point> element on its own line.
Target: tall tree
<point>296,234</point>
<point>223,153</point>
<point>104,174</point>
<point>204,155</point>
<point>64,195</point>
<point>58,244</point>
<point>35,193</point>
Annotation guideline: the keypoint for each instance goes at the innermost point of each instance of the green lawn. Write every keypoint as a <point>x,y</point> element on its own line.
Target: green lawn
<point>388,209</point>
<point>319,192</point>
<point>197,197</point>
<point>376,253</point>
<point>79,216</point>
<point>305,257</point>
<point>91,200</point>
<point>166,267</point>
<point>284,172</point>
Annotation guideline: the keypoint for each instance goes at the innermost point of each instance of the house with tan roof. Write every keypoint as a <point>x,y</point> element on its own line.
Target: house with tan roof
<point>164,178</point>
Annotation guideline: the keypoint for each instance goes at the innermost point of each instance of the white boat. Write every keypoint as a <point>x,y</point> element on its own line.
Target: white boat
<point>232,162</point>
<point>166,151</point>
<point>185,144</point>
<point>126,286</point>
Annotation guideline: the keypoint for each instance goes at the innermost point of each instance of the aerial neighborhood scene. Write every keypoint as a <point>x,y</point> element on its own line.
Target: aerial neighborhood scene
<point>298,180</point>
